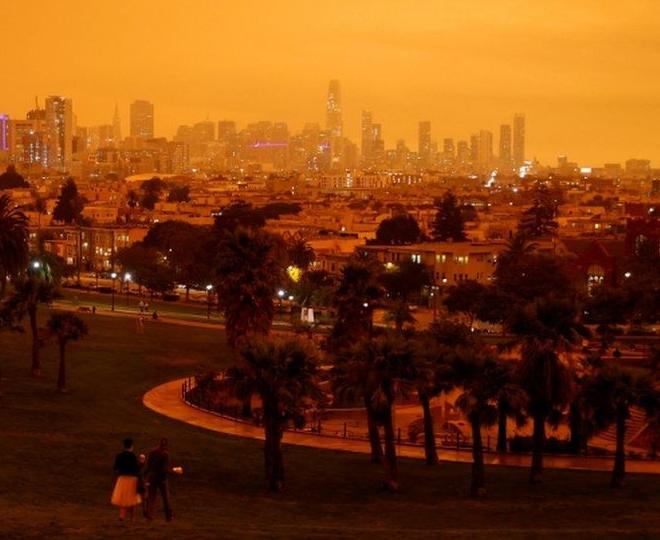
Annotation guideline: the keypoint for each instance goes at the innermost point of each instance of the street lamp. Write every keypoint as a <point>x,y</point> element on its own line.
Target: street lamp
<point>209,288</point>
<point>114,277</point>
<point>127,280</point>
<point>280,295</point>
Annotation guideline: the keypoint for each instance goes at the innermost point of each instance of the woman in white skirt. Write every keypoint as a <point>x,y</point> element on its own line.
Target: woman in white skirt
<point>126,493</point>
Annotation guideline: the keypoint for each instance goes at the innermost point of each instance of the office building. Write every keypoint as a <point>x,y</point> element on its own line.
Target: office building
<point>424,144</point>
<point>142,119</point>
<point>59,129</point>
<point>518,139</point>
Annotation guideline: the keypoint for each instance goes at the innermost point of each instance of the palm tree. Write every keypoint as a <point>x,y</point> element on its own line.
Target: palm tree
<point>13,241</point>
<point>400,315</point>
<point>511,402</point>
<point>352,380</point>
<point>66,327</point>
<point>354,301</point>
<point>610,393</point>
<point>250,268</point>
<point>388,370</point>
<point>284,374</point>
<point>37,286</point>
<point>547,330</point>
<point>432,376</point>
<point>481,377</point>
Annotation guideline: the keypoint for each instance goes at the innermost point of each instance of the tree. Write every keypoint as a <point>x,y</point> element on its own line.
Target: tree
<point>465,298</point>
<point>386,365</point>
<point>239,214</point>
<point>179,194</point>
<point>13,241</point>
<point>481,377</point>
<point>184,248</point>
<point>359,289</point>
<point>546,329</point>
<point>300,254</point>
<point>405,280</point>
<point>610,393</point>
<point>10,179</point>
<point>432,376</point>
<point>524,275</point>
<point>315,288</point>
<point>70,204</point>
<point>65,327</point>
<point>511,402</point>
<point>37,286</point>
<point>147,267</point>
<point>250,268</point>
<point>398,230</point>
<point>151,192</point>
<point>284,374</point>
<point>449,223</point>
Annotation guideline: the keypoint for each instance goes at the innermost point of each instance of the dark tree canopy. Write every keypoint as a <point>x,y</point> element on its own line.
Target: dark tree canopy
<point>11,179</point>
<point>449,222</point>
<point>70,204</point>
<point>151,192</point>
<point>397,230</point>
<point>179,194</point>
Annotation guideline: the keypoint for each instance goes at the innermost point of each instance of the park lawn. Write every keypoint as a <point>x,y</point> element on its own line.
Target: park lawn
<point>57,453</point>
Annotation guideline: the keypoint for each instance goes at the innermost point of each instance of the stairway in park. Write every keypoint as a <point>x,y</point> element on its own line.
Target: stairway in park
<point>634,427</point>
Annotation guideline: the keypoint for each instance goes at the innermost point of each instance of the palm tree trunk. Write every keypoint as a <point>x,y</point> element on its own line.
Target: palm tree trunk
<point>273,452</point>
<point>575,426</point>
<point>619,471</point>
<point>374,436</point>
<point>501,430</point>
<point>430,450</point>
<point>391,469</point>
<point>538,442</point>
<point>36,361</point>
<point>3,283</point>
<point>477,485</point>
<point>61,372</point>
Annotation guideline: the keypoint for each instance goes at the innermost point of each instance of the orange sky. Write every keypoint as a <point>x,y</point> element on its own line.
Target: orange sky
<point>586,73</point>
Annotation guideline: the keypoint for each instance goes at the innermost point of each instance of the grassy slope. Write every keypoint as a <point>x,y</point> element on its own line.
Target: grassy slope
<point>57,452</point>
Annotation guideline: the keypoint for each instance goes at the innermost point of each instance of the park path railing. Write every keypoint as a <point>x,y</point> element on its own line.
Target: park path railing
<point>353,430</point>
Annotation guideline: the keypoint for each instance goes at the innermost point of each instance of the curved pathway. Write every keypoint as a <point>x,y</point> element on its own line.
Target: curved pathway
<point>166,400</point>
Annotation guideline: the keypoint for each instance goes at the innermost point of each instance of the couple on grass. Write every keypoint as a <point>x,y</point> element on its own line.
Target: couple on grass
<point>132,484</point>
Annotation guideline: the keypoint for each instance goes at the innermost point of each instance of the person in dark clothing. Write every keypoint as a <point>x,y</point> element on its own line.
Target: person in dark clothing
<point>157,471</point>
<point>125,494</point>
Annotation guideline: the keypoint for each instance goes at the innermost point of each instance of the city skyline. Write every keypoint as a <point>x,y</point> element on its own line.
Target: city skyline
<point>413,66</point>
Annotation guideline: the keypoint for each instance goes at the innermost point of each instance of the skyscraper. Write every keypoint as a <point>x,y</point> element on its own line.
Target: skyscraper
<point>59,129</point>
<point>518,139</point>
<point>4,133</point>
<point>334,122</point>
<point>142,119</point>
<point>116,127</point>
<point>505,145</point>
<point>366,135</point>
<point>424,143</point>
<point>485,152</point>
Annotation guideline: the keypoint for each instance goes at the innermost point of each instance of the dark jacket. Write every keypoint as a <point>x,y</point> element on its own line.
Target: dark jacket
<point>126,464</point>
<point>158,465</point>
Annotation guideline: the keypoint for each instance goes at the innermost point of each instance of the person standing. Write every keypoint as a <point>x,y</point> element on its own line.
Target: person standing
<point>157,471</point>
<point>125,494</point>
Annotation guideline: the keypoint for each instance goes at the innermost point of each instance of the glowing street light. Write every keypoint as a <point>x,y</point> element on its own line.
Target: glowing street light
<point>114,277</point>
<point>127,280</point>
<point>209,288</point>
<point>627,275</point>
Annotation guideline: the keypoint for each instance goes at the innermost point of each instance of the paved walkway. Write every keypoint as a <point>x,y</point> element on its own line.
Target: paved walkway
<point>166,400</point>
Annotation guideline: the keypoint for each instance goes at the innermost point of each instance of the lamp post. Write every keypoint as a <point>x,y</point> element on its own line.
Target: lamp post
<point>280,295</point>
<point>114,277</point>
<point>209,288</point>
<point>127,280</point>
